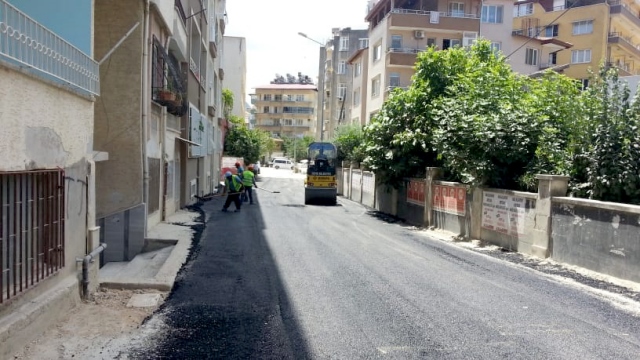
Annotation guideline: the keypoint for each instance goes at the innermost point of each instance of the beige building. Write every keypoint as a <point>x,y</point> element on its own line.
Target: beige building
<point>235,60</point>
<point>359,63</point>
<point>527,52</point>
<point>47,169</point>
<point>399,29</point>
<point>157,116</point>
<point>286,110</point>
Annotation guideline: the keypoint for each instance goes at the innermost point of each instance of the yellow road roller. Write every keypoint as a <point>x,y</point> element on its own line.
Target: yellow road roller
<point>320,185</point>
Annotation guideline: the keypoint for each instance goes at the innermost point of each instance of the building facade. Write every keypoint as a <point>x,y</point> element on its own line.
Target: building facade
<point>338,80</point>
<point>235,59</point>
<point>157,117</point>
<point>399,29</point>
<point>359,63</point>
<point>47,167</point>
<point>599,30</point>
<point>286,110</point>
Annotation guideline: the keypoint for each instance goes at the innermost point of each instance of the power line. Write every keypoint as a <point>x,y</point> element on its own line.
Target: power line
<point>540,30</point>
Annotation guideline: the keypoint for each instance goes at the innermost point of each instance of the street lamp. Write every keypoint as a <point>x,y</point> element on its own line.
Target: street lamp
<point>320,81</point>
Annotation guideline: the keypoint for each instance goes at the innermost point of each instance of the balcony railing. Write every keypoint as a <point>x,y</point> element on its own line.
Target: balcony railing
<point>440,13</point>
<point>168,85</point>
<point>624,42</point>
<point>405,50</point>
<point>618,7</point>
<point>28,43</point>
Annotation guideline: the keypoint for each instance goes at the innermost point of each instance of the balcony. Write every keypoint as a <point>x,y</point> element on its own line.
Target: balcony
<point>167,83</point>
<point>25,42</point>
<point>213,49</point>
<point>620,11</point>
<point>402,56</point>
<point>420,19</point>
<point>623,43</point>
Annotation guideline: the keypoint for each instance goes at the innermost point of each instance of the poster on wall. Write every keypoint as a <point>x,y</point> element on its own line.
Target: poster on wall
<point>415,192</point>
<point>450,199</point>
<point>503,213</point>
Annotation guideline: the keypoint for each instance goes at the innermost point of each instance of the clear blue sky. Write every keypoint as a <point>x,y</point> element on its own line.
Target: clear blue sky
<point>69,19</point>
<point>271,29</point>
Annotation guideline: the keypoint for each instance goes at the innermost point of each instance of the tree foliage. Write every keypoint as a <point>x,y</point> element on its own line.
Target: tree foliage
<point>227,102</point>
<point>249,144</point>
<point>348,139</point>
<point>299,144</point>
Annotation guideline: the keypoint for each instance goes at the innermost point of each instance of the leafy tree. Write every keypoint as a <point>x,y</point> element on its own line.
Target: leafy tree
<point>349,141</point>
<point>236,120</point>
<point>300,147</point>
<point>245,143</point>
<point>227,102</point>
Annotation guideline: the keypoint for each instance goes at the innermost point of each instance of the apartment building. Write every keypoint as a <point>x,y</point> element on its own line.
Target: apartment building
<point>599,30</point>
<point>399,29</point>
<point>157,116</point>
<point>49,82</point>
<point>235,59</point>
<point>528,52</point>
<point>359,63</point>
<point>286,110</point>
<point>338,80</point>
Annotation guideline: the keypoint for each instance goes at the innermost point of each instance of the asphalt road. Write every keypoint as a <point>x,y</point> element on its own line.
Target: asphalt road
<point>280,280</point>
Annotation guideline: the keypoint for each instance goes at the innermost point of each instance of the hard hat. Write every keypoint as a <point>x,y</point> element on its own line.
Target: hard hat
<point>227,174</point>
<point>250,168</point>
<point>237,164</point>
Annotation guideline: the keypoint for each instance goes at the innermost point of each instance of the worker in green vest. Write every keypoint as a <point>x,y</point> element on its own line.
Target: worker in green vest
<point>249,181</point>
<point>233,188</point>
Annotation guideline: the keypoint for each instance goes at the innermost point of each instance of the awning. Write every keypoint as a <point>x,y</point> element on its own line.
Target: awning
<point>187,141</point>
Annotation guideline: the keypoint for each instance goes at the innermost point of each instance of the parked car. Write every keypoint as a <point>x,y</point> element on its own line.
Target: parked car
<point>282,163</point>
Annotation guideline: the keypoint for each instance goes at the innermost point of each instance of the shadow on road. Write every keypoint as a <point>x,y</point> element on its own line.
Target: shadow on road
<point>228,301</point>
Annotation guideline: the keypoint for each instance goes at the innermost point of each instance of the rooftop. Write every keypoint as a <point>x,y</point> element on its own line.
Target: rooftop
<point>287,87</point>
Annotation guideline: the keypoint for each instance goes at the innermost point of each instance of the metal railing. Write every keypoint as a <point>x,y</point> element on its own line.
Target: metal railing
<point>32,217</point>
<point>441,13</point>
<point>405,50</point>
<point>26,42</point>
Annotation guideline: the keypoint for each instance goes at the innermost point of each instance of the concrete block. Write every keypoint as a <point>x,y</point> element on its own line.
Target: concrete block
<point>144,300</point>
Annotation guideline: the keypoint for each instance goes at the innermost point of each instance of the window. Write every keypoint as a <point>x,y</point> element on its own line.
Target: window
<point>584,84</point>
<point>553,58</point>
<point>356,97</point>
<point>344,43</point>
<point>357,69</point>
<point>491,14</point>
<point>496,47</point>
<point>363,43</point>
<point>551,31</point>
<point>581,56</point>
<point>375,86</point>
<point>266,97</point>
<point>394,79</point>
<point>265,109</point>
<point>342,67</point>
<point>288,122</point>
<point>523,10</point>
<point>377,52</point>
<point>583,27</point>
<point>274,109</point>
<point>448,43</point>
<point>396,41</point>
<point>298,122</point>
<point>278,97</point>
<point>531,57</point>
<point>289,97</point>
<point>299,97</point>
<point>342,91</point>
<point>431,42</point>
<point>456,9</point>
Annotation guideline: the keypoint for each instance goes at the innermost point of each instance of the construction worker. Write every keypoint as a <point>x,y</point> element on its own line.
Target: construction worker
<point>233,189</point>
<point>249,181</point>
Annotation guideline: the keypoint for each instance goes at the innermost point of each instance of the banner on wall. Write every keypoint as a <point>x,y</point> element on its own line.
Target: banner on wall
<point>415,192</point>
<point>503,213</point>
<point>450,199</point>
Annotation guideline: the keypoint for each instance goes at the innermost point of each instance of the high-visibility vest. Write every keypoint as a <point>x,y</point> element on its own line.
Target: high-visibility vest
<point>247,178</point>
<point>233,185</point>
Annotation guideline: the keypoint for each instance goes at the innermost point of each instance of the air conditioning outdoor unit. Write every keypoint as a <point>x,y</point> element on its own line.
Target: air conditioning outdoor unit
<point>418,34</point>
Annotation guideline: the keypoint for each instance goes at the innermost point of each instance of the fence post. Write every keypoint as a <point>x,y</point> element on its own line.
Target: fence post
<point>548,187</point>
<point>433,173</point>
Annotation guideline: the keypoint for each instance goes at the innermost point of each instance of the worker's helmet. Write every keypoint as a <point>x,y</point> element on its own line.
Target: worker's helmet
<point>237,164</point>
<point>250,168</point>
<point>227,174</point>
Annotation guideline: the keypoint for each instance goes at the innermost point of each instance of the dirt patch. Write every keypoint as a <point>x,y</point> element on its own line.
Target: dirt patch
<point>90,327</point>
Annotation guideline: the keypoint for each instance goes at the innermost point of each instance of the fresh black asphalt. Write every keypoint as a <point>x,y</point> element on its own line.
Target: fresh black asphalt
<point>281,280</point>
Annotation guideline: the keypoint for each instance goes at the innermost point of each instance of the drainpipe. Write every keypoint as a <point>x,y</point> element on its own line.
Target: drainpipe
<point>145,108</point>
<point>85,268</point>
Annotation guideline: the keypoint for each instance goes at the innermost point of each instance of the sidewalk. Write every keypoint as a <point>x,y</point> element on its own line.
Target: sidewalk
<point>166,249</point>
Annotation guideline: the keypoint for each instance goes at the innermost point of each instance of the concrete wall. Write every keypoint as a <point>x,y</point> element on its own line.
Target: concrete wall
<point>118,121</point>
<point>600,236</point>
<point>46,126</point>
<point>235,76</point>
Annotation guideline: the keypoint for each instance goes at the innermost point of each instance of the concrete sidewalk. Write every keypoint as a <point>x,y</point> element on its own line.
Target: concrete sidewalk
<point>166,249</point>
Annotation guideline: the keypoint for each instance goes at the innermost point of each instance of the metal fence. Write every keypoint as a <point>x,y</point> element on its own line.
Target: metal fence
<point>32,220</point>
<point>25,41</point>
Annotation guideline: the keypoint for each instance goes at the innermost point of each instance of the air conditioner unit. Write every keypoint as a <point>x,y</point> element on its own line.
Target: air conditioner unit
<point>418,34</point>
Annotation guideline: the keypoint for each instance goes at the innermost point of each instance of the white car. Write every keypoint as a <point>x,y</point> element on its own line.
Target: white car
<point>282,164</point>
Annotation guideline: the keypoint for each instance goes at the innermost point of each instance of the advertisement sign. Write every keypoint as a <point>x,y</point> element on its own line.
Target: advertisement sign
<point>415,192</point>
<point>450,199</point>
<point>503,213</point>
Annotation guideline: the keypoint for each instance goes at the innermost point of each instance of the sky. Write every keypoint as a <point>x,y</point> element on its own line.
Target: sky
<point>271,31</point>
